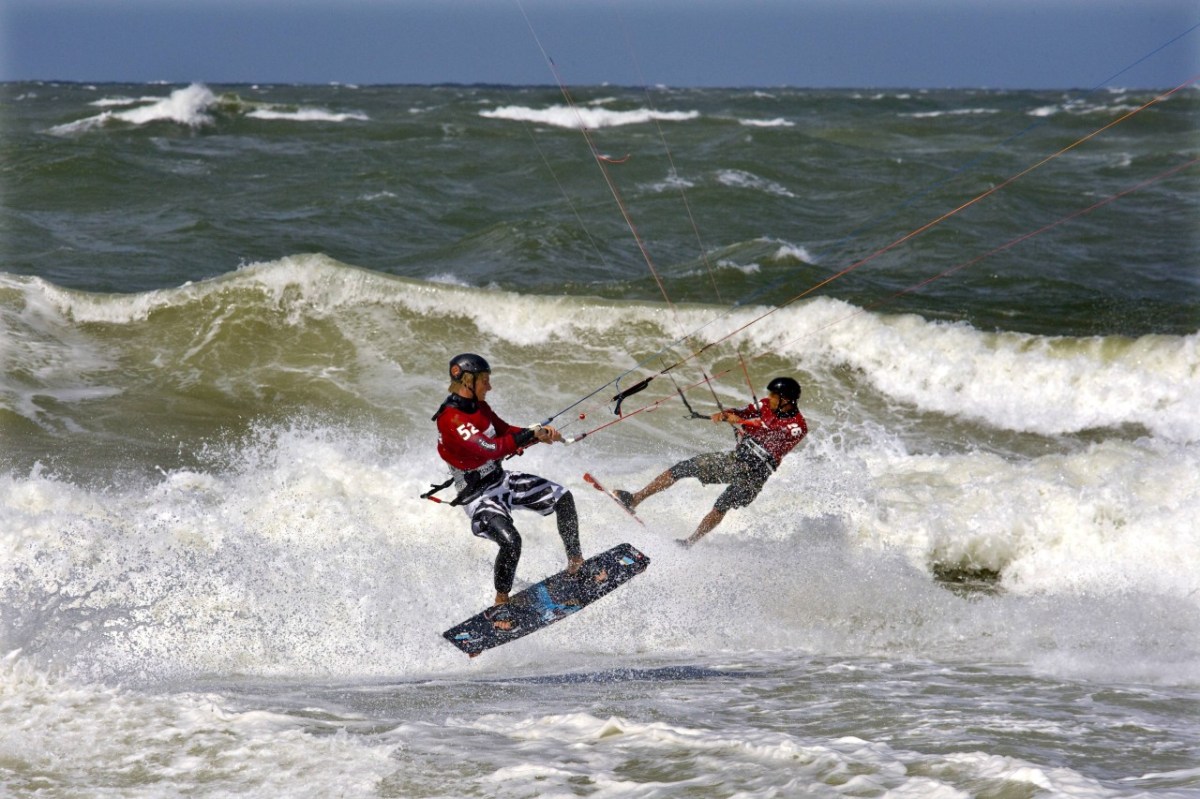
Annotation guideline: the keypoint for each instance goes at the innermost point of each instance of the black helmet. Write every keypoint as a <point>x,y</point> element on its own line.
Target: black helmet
<point>467,362</point>
<point>785,387</point>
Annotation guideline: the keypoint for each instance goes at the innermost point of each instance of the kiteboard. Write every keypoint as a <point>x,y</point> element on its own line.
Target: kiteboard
<point>594,483</point>
<point>554,598</point>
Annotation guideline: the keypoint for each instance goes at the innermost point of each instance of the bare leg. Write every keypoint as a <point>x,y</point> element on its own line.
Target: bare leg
<point>705,527</point>
<point>660,483</point>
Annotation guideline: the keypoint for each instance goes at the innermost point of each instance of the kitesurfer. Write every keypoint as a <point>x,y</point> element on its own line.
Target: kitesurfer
<point>769,430</point>
<point>473,440</point>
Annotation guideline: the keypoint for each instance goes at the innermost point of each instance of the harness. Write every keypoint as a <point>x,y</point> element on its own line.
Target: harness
<point>754,454</point>
<point>470,483</point>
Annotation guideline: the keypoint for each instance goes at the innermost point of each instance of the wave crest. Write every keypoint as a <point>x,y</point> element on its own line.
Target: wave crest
<point>574,117</point>
<point>195,106</point>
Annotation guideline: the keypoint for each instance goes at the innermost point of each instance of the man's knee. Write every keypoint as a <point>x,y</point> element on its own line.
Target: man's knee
<point>502,530</point>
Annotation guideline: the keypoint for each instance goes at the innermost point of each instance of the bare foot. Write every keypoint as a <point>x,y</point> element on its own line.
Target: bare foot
<point>501,617</point>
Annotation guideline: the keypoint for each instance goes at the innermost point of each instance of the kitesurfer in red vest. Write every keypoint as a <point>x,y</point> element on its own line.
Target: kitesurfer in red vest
<point>769,430</point>
<point>473,440</point>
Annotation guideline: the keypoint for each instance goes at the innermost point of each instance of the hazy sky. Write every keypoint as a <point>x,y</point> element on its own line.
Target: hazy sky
<point>817,43</point>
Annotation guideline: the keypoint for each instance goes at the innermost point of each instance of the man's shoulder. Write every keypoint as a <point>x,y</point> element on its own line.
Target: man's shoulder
<point>753,410</point>
<point>491,414</point>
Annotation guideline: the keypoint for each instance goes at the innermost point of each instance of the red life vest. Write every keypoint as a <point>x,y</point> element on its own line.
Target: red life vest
<point>470,434</point>
<point>777,434</point>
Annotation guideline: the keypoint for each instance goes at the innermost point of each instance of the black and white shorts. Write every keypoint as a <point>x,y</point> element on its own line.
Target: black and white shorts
<point>513,490</point>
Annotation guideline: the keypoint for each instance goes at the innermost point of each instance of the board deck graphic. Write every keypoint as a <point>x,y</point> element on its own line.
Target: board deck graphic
<point>554,598</point>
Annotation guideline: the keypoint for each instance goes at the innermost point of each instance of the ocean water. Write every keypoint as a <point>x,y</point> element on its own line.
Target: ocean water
<point>226,313</point>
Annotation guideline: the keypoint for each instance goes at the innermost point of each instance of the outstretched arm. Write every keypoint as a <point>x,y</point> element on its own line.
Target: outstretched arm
<point>546,434</point>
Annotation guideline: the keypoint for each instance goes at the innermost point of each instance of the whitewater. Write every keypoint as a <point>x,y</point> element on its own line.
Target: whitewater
<point>976,577</point>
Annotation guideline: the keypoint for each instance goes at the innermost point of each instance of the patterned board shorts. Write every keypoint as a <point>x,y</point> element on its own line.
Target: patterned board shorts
<point>513,490</point>
<point>745,479</point>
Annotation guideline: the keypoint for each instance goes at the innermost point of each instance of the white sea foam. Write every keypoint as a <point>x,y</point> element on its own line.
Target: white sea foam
<point>295,562</point>
<point>794,251</point>
<point>1026,383</point>
<point>778,122</point>
<point>88,736</point>
<point>189,106</point>
<point>673,182</point>
<point>304,561</point>
<point>956,112</point>
<point>1105,518</point>
<point>304,115</point>
<point>1094,522</point>
<point>785,252</point>
<point>748,269</point>
<point>1082,522</point>
<point>108,102</point>
<point>283,592</point>
<point>741,179</point>
<point>546,739</point>
<point>39,341</point>
<point>1082,107</point>
<point>194,106</point>
<point>1010,381</point>
<point>591,117</point>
